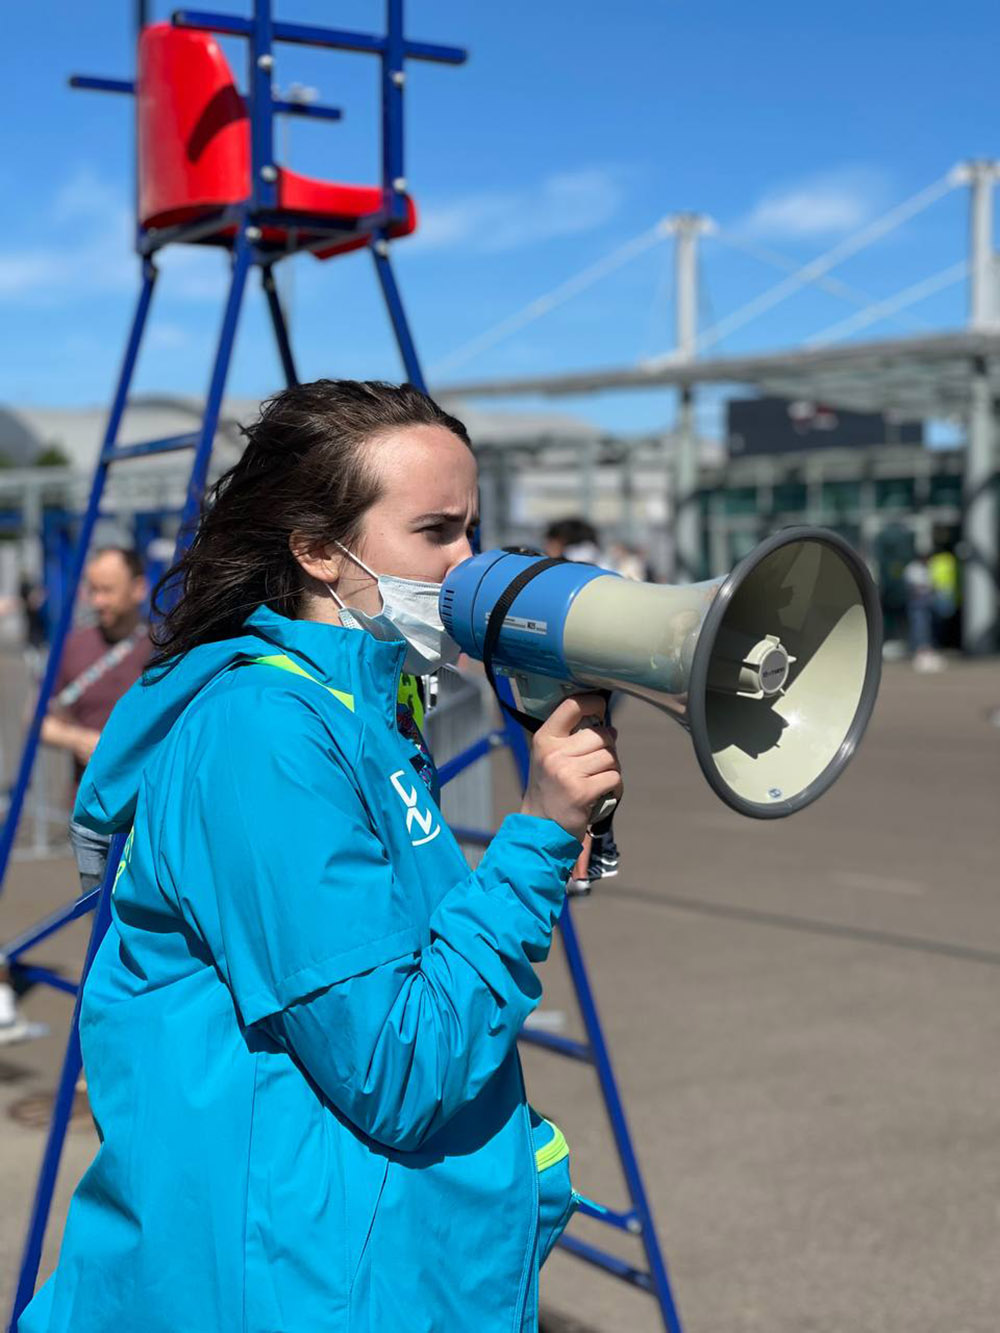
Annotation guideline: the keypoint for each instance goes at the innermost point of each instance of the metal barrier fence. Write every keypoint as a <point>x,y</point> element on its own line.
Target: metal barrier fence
<point>464,712</point>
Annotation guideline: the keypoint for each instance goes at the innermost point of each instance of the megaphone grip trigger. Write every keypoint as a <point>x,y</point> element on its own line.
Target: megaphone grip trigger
<point>602,814</point>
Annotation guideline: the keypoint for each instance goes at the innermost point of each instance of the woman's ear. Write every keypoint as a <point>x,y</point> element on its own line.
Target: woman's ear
<point>320,562</point>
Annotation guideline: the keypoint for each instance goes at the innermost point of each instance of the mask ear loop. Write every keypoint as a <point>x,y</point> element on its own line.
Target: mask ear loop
<point>358,561</point>
<point>370,572</point>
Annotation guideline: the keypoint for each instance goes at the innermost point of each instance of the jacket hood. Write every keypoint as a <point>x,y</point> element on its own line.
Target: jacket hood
<point>143,718</point>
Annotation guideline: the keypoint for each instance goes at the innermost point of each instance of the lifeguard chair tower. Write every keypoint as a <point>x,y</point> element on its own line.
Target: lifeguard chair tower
<point>207,175</point>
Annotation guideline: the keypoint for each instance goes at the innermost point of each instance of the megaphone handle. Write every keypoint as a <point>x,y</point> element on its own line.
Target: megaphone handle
<point>604,809</point>
<point>602,814</point>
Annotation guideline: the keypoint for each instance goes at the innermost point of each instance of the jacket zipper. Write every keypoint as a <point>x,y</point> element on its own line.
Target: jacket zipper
<point>525,1287</point>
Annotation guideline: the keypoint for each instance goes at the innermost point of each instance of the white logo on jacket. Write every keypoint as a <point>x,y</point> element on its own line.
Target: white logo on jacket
<point>424,819</point>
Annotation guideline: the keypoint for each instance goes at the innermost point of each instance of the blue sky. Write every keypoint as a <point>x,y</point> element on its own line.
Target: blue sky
<point>574,127</point>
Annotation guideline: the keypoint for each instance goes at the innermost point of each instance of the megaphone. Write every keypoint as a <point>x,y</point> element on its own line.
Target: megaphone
<point>773,669</point>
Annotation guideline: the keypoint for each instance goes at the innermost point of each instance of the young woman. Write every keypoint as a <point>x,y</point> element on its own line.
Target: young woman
<point>299,1032</point>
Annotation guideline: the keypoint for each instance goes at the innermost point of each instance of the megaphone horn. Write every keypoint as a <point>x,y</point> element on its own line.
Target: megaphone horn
<point>773,669</point>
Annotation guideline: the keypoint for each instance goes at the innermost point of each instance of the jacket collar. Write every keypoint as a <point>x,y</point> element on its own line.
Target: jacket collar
<point>348,659</point>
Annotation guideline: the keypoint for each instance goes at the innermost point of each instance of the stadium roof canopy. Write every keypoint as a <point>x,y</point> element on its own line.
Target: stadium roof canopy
<point>911,378</point>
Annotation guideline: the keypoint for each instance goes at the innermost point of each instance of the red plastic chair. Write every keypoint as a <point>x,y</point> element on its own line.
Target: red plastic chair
<point>194,147</point>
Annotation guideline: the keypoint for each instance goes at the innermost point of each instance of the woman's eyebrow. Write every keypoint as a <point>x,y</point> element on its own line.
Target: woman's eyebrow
<point>448,515</point>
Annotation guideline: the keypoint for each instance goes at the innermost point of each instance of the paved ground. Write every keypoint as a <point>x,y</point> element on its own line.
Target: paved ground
<point>804,1019</point>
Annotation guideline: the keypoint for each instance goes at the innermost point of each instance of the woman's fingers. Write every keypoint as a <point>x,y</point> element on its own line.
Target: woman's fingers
<point>573,764</point>
<point>589,739</point>
<point>598,761</point>
<point>605,784</point>
<point>565,719</point>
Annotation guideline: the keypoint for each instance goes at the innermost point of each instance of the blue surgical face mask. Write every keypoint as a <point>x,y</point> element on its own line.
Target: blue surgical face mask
<point>409,611</point>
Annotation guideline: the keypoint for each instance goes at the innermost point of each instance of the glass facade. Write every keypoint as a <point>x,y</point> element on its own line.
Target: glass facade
<point>838,498</point>
<point>888,501</point>
<point>895,493</point>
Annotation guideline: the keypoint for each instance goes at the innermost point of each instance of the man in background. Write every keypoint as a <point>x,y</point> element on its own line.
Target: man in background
<point>36,631</point>
<point>573,539</point>
<point>920,614</point>
<point>946,587</point>
<point>99,663</point>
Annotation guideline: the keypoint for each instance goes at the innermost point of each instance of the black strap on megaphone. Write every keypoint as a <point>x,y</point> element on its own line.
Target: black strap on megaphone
<point>494,625</point>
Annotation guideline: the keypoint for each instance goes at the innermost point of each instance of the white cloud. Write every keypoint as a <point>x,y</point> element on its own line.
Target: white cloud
<point>28,271</point>
<point>194,273</point>
<point>166,337</point>
<point>91,254</point>
<point>563,204</point>
<point>85,197</point>
<point>828,204</point>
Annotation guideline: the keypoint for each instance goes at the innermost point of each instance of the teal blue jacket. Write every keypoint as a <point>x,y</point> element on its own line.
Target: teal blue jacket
<point>299,1032</point>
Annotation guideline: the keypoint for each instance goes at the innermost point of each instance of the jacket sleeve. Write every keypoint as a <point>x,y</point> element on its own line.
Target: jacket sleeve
<point>398,1025</point>
<point>401,1048</point>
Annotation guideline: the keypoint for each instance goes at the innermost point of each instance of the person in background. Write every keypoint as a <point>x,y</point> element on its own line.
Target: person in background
<point>920,615</point>
<point>32,598</point>
<point>14,1026</point>
<point>943,570</point>
<point>99,663</point>
<point>631,562</point>
<point>577,539</point>
<point>573,539</point>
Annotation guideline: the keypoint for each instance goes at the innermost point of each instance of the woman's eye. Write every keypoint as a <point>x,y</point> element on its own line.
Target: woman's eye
<point>443,532</point>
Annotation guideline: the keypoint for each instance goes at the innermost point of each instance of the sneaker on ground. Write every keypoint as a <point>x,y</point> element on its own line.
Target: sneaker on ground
<point>14,1027</point>
<point>604,856</point>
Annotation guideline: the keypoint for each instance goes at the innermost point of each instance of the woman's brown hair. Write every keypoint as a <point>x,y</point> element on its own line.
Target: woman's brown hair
<point>305,469</point>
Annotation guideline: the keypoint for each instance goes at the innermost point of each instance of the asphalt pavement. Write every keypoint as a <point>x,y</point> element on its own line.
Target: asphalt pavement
<point>803,1018</point>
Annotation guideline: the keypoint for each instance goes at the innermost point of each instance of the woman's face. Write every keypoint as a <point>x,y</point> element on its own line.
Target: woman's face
<point>422,525</point>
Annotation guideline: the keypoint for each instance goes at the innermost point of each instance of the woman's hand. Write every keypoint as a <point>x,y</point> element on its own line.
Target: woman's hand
<point>573,766</point>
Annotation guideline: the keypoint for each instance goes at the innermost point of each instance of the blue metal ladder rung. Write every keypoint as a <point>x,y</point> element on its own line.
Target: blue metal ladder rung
<point>304,34</point>
<point>612,1217</point>
<point>552,1041</point>
<point>620,1268</point>
<point>43,929</point>
<point>36,974</point>
<point>309,110</point>
<point>168,444</point>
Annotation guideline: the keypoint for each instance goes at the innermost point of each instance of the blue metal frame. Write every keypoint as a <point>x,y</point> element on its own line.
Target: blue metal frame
<point>248,220</point>
<point>95,83</point>
<point>279,325</point>
<point>337,39</point>
<point>242,260</point>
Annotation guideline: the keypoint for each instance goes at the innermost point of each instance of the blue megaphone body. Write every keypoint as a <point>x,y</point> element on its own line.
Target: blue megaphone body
<point>532,636</point>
